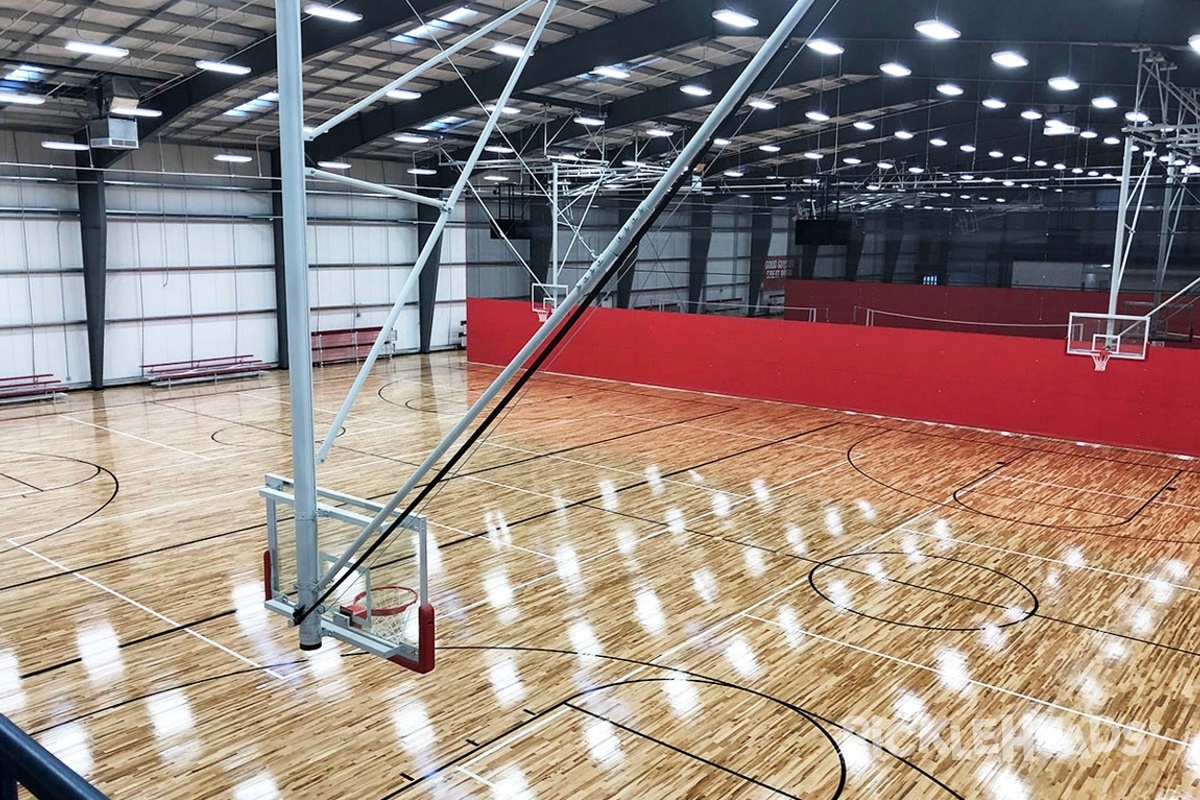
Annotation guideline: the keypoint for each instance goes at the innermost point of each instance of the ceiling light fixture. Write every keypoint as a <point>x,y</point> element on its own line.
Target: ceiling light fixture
<point>825,47</point>
<point>73,146</point>
<point>1061,167</point>
<point>865,125</point>
<point>904,135</point>
<point>1010,60</point>
<point>994,103</point>
<point>1020,159</point>
<point>886,165</point>
<point>852,161</point>
<point>936,29</point>
<point>950,89</point>
<point>770,148</point>
<point>231,158</point>
<point>96,49</point>
<point>335,14</point>
<point>138,111</point>
<point>410,138</point>
<point>422,171</point>
<point>20,99</point>
<point>813,155</point>
<point>499,149</point>
<point>508,50</point>
<point>1088,134</point>
<point>695,91</point>
<point>403,94</point>
<point>763,104</point>
<point>734,173</point>
<point>817,116</point>
<point>496,178</point>
<point>1111,140</point>
<point>967,148</point>
<point>508,111</point>
<point>996,154</point>
<point>719,142</point>
<point>1104,103</point>
<point>1137,116</point>
<point>659,133</point>
<point>1041,163</point>
<point>896,70</point>
<point>615,73</point>
<point>1031,114</point>
<point>938,141</point>
<point>590,122</point>
<point>337,165</point>
<point>734,19</point>
<point>1063,83</point>
<point>917,170</point>
<point>223,67</point>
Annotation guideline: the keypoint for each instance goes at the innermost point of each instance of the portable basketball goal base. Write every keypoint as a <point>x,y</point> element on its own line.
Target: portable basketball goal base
<point>323,583</point>
<point>1174,141</point>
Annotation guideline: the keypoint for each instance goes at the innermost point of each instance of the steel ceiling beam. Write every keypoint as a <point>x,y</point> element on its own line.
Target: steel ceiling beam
<point>657,29</point>
<point>319,36</point>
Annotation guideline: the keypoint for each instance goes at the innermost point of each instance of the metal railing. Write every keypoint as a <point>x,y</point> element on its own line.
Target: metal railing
<point>24,762</point>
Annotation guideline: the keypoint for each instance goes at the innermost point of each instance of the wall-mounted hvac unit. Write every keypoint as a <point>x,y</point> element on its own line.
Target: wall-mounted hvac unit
<point>111,133</point>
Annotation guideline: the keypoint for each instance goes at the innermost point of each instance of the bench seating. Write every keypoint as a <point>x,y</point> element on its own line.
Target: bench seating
<point>350,344</point>
<point>24,388</point>
<point>203,369</point>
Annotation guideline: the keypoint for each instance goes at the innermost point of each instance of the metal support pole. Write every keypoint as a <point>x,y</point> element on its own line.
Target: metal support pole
<point>627,233</point>
<point>1118,261</point>
<point>295,249</point>
<point>369,186</point>
<point>555,263</point>
<point>1170,224</point>
<point>435,237</point>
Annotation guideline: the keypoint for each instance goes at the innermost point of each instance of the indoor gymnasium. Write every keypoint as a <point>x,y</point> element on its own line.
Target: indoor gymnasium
<point>599,398</point>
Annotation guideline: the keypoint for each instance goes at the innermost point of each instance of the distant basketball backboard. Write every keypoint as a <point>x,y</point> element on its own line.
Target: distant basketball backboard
<point>383,606</point>
<point>1108,336</point>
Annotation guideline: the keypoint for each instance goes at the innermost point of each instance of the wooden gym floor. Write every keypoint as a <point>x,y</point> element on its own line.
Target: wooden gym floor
<point>641,593</point>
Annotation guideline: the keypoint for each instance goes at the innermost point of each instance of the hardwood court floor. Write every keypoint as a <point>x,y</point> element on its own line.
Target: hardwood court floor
<point>641,593</point>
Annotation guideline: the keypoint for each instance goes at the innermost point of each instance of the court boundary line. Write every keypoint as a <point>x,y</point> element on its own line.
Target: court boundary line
<point>976,682</point>
<point>147,610</point>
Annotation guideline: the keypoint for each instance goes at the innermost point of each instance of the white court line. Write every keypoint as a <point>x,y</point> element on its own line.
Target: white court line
<point>506,741</point>
<point>974,682</point>
<point>131,436</point>
<point>1007,551</point>
<point>146,609</point>
<point>606,468</point>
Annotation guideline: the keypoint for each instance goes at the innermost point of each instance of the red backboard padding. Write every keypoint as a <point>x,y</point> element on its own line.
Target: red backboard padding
<point>1006,383</point>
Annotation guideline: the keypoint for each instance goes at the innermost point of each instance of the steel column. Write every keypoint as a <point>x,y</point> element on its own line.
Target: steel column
<point>295,251</point>
<point>93,229</point>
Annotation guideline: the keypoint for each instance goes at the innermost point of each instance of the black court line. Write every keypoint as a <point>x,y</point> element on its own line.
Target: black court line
<point>176,687</point>
<point>1000,495</point>
<point>1087,454</point>
<point>816,562</point>
<point>134,556</point>
<point>131,643</point>
<point>820,721</point>
<point>99,469</point>
<point>25,483</point>
<point>683,752</point>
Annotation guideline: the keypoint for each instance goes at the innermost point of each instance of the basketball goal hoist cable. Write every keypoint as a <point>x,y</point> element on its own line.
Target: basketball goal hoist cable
<point>558,326</point>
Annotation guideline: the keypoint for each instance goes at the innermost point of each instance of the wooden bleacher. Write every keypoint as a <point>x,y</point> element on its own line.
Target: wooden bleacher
<point>203,369</point>
<point>349,344</point>
<point>26,388</point>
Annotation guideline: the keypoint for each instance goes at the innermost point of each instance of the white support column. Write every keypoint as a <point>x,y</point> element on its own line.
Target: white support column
<point>555,265</point>
<point>295,252</point>
<point>1122,211</point>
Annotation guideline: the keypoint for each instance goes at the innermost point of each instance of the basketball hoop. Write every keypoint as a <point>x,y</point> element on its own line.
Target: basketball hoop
<point>388,616</point>
<point>1100,358</point>
<point>543,314</point>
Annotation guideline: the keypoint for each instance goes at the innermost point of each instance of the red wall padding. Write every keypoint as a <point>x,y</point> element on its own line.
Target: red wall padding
<point>1006,383</point>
